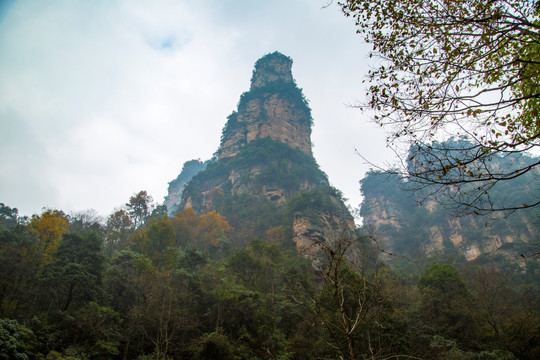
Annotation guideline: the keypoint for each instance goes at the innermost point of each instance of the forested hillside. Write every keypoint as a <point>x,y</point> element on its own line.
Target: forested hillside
<point>76,287</point>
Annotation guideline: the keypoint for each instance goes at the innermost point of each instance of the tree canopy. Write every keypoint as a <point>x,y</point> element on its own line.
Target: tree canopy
<point>458,67</point>
<point>190,287</point>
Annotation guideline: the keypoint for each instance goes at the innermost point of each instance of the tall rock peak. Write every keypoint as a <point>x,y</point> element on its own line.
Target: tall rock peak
<point>272,67</point>
<point>264,178</point>
<point>274,108</point>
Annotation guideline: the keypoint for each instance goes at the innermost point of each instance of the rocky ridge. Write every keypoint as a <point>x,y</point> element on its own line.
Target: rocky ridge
<point>406,227</point>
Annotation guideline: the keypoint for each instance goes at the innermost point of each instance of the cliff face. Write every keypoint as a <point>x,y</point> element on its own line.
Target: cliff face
<point>269,115</point>
<point>264,164</point>
<point>405,227</point>
<point>330,223</point>
<point>273,108</point>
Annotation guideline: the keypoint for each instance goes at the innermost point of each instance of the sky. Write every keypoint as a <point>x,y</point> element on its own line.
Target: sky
<point>101,99</point>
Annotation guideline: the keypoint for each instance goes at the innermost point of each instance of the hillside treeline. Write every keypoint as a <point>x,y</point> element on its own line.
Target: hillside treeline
<point>143,285</point>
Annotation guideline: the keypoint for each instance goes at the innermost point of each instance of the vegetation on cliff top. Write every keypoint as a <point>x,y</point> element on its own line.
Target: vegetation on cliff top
<point>279,165</point>
<point>236,186</point>
<point>265,60</point>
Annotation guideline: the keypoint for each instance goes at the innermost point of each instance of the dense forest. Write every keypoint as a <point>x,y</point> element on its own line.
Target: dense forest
<point>143,285</point>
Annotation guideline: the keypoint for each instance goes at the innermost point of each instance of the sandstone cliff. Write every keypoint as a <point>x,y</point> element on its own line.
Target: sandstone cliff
<point>273,108</point>
<point>405,226</point>
<point>264,167</point>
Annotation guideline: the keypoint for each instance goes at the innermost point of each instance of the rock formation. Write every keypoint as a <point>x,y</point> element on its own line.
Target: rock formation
<point>263,177</point>
<point>176,187</point>
<point>405,226</point>
<point>273,108</point>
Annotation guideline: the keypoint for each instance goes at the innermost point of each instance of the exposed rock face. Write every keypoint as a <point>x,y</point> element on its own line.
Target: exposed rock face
<point>269,110</point>
<point>404,227</point>
<point>264,161</point>
<point>309,231</point>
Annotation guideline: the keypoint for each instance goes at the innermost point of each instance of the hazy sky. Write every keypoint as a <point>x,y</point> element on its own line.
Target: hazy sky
<point>100,99</point>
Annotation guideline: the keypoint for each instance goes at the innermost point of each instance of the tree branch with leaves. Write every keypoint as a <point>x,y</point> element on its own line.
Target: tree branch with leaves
<point>456,67</point>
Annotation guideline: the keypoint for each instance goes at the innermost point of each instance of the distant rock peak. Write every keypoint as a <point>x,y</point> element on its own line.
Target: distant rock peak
<point>272,67</point>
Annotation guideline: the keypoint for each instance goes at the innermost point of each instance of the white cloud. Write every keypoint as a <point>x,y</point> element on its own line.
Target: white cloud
<point>101,99</point>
